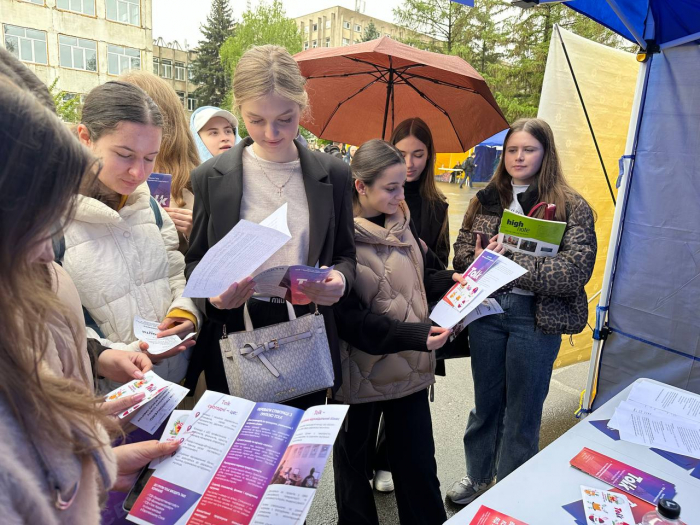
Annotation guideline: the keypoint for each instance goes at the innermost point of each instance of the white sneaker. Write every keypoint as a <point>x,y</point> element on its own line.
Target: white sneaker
<point>383,481</point>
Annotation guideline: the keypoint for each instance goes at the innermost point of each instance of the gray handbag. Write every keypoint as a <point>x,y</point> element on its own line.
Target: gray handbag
<point>278,362</point>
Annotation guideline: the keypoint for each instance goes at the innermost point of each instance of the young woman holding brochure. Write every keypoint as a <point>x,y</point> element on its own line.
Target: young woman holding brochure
<point>251,181</point>
<point>512,354</point>
<point>121,248</point>
<point>388,349</point>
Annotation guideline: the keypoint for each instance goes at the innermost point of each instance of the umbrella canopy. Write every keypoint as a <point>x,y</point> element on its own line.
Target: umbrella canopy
<point>363,91</point>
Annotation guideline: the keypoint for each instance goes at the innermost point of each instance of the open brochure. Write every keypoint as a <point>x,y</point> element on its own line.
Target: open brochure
<point>238,255</point>
<point>241,462</point>
<point>284,281</point>
<point>530,236</point>
<point>488,273</point>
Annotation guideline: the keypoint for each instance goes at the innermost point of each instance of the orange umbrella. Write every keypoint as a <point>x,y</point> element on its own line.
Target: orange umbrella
<point>361,92</point>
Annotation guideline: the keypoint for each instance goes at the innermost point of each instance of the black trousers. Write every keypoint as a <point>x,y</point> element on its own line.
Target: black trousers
<point>409,435</point>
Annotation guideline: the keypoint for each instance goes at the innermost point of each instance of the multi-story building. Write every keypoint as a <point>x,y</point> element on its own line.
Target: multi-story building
<point>174,64</point>
<point>338,26</point>
<point>82,43</point>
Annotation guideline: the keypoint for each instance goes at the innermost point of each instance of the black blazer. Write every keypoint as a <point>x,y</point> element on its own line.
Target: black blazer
<point>218,188</point>
<point>434,229</point>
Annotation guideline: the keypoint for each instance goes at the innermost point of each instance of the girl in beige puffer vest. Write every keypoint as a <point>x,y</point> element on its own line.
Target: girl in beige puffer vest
<point>387,348</point>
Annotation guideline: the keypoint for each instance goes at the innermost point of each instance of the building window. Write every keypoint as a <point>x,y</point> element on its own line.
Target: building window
<point>121,59</point>
<point>179,71</point>
<point>190,72</point>
<point>181,95</point>
<point>306,29</point>
<point>358,28</point>
<point>328,41</point>
<point>124,11</point>
<point>314,43</point>
<point>29,45</point>
<point>388,35</point>
<point>315,27</point>
<point>191,103</point>
<point>306,46</point>
<point>166,68</point>
<point>328,24</point>
<point>77,53</point>
<point>156,65</point>
<point>85,7</point>
<point>346,24</point>
<point>346,42</point>
<point>37,2</point>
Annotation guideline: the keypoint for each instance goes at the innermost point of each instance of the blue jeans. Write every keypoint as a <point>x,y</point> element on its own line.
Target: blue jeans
<point>511,367</point>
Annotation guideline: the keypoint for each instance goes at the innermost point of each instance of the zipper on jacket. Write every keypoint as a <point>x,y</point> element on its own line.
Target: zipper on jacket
<point>432,392</point>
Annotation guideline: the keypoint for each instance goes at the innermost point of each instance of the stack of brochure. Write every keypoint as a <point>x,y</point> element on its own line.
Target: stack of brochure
<point>530,236</point>
<point>661,417</point>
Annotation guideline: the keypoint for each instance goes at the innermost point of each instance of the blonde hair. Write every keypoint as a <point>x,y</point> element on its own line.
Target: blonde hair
<point>263,70</point>
<point>178,152</point>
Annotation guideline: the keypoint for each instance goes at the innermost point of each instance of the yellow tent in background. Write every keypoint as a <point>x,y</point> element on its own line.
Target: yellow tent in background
<point>607,79</point>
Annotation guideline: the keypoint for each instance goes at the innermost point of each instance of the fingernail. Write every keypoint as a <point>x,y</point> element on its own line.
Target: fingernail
<point>138,374</point>
<point>139,397</point>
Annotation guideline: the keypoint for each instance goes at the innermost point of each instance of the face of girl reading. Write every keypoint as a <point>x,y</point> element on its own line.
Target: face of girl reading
<point>415,153</point>
<point>272,122</point>
<point>218,135</point>
<point>128,154</point>
<point>385,195</point>
<point>523,157</point>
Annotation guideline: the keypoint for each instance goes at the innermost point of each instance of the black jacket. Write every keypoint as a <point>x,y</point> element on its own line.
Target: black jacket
<point>434,229</point>
<point>218,187</point>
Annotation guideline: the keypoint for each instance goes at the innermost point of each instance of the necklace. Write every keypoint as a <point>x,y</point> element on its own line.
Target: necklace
<point>279,188</point>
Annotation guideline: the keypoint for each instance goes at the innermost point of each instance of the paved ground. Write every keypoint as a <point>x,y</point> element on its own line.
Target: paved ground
<point>454,397</point>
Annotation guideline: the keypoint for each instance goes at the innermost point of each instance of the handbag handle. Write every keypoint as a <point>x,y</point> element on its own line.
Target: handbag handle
<point>550,210</point>
<point>248,323</point>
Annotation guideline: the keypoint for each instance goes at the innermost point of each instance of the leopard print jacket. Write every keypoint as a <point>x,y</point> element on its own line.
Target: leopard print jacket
<point>557,282</point>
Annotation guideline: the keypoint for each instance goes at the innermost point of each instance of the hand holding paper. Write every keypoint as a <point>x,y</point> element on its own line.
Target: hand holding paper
<point>161,342</point>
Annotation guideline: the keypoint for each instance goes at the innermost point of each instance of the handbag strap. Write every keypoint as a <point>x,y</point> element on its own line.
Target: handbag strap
<point>248,323</point>
<point>250,351</point>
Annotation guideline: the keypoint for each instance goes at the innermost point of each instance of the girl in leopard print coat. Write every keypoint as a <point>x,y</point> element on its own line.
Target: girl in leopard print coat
<point>513,353</point>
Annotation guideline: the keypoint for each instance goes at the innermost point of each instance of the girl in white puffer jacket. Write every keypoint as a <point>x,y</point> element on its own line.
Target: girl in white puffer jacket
<point>122,262</point>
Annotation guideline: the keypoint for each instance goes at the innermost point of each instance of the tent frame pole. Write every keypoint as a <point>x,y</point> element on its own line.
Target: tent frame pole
<point>621,15</point>
<point>622,197</point>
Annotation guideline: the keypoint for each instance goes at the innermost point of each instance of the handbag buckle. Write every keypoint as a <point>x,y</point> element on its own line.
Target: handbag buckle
<point>275,344</point>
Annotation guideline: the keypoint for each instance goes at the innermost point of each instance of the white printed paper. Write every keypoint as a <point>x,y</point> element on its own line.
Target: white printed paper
<point>662,397</point>
<point>488,273</point>
<point>677,435</point>
<point>242,251</point>
<point>152,417</point>
<point>147,331</point>
<point>488,307</point>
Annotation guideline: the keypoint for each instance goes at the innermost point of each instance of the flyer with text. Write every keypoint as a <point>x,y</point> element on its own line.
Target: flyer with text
<point>620,475</point>
<point>243,463</point>
<point>487,516</point>
<point>159,184</point>
<point>284,281</point>
<point>530,236</point>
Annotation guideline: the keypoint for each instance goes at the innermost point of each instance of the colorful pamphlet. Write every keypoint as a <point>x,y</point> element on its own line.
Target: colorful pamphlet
<point>639,509</point>
<point>284,281</point>
<point>151,385</point>
<point>631,480</point>
<point>488,273</point>
<point>530,236</point>
<point>602,506</point>
<point>241,462</point>
<point>487,516</point>
<point>160,184</point>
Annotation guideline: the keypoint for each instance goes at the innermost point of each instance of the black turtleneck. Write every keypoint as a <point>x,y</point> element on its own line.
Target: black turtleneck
<point>414,202</point>
<point>379,220</point>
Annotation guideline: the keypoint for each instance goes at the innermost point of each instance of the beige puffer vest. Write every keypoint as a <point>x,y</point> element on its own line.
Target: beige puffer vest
<point>389,281</point>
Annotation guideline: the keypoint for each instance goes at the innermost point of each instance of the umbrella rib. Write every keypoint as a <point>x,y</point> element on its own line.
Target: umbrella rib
<point>328,121</point>
<point>343,75</point>
<point>426,97</point>
<point>439,82</point>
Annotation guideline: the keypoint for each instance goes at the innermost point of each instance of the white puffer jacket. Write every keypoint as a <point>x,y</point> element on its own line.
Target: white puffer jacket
<point>124,266</point>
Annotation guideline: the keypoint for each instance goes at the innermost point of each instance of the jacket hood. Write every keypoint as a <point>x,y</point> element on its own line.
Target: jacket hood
<point>390,234</point>
<point>204,153</point>
<point>92,210</point>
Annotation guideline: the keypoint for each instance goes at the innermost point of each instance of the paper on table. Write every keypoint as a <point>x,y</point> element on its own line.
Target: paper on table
<point>662,397</point>
<point>676,435</point>
<point>485,275</point>
<point>242,251</point>
<point>152,417</point>
<point>602,506</point>
<point>147,331</point>
<point>172,429</point>
<point>632,406</point>
<point>151,385</point>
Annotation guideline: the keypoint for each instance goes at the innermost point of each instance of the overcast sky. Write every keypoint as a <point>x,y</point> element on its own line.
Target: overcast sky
<point>180,19</point>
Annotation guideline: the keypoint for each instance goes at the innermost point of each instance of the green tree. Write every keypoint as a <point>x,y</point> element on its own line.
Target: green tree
<point>435,18</point>
<point>371,32</point>
<point>266,24</point>
<point>67,104</point>
<point>213,80</point>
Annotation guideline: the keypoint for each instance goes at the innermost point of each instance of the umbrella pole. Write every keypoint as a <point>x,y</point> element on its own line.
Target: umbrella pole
<point>389,90</point>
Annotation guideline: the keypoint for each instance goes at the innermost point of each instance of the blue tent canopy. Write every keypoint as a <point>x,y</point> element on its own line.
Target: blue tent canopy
<point>496,140</point>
